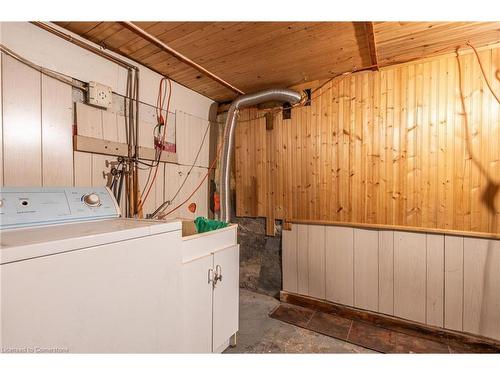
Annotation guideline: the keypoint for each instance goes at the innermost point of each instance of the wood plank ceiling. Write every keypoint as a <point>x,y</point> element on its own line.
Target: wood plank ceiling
<point>258,55</point>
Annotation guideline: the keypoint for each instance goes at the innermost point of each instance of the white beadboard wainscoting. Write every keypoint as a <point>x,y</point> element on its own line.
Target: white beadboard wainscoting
<point>189,135</point>
<point>36,135</point>
<point>38,114</point>
<point>443,280</point>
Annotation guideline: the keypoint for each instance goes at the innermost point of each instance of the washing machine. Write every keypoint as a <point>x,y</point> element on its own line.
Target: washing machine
<point>77,278</point>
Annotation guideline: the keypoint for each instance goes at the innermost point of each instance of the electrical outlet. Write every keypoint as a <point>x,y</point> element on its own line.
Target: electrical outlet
<point>100,95</point>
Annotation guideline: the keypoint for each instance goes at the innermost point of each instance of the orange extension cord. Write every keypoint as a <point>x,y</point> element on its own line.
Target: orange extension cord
<point>161,120</point>
<point>201,182</point>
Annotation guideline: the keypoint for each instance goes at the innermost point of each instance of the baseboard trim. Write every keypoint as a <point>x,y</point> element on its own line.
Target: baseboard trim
<point>480,343</point>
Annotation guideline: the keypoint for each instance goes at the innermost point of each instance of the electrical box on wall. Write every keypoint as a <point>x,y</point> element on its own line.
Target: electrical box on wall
<point>100,95</point>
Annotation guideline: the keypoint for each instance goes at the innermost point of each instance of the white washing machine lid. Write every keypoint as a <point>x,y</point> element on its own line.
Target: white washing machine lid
<point>26,243</point>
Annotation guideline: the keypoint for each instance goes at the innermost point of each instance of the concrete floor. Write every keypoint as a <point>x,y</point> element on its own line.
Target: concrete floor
<point>260,334</point>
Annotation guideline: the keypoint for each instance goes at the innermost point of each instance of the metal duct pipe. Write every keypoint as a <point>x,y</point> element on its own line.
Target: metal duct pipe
<point>281,95</point>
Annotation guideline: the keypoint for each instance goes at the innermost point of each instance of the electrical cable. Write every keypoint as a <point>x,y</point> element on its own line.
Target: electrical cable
<point>150,168</point>
<point>48,72</point>
<point>131,89</point>
<point>156,160</point>
<point>483,170</point>
<point>159,116</point>
<point>160,99</point>
<point>120,186</point>
<point>165,122</point>
<point>117,178</point>
<point>59,76</point>
<point>343,75</point>
<point>483,72</point>
<point>139,101</point>
<point>201,182</point>
<point>302,102</point>
<point>167,203</point>
<point>192,165</point>
<point>210,168</point>
<point>64,78</point>
<point>148,165</point>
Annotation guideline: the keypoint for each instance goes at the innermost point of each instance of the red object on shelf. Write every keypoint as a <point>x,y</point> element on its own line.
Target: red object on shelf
<point>216,202</point>
<point>192,207</point>
<point>167,146</point>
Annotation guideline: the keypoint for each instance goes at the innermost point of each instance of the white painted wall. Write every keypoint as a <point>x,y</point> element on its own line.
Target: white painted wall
<point>54,53</point>
<point>442,280</point>
<point>37,120</point>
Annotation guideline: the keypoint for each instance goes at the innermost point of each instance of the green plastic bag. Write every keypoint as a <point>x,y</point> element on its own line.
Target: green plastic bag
<point>206,225</point>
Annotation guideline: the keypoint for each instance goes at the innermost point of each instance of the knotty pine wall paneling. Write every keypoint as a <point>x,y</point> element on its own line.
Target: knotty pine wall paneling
<point>386,147</point>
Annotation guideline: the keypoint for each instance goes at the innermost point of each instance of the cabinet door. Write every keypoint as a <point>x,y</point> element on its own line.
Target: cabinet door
<point>226,295</point>
<point>197,305</point>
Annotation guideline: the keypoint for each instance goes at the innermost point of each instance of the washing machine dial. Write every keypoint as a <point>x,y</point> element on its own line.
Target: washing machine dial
<point>92,200</point>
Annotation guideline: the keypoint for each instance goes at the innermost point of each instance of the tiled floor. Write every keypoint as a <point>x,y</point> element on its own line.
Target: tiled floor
<point>258,333</point>
<point>364,334</point>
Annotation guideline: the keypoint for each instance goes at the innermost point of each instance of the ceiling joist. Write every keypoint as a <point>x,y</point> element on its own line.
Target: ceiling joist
<point>372,46</point>
<point>252,56</point>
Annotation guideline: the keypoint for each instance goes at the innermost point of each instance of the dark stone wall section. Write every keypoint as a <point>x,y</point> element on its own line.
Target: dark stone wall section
<point>260,256</point>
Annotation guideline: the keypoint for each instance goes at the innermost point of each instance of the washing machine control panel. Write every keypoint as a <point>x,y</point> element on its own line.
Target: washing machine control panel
<point>92,199</point>
<point>21,207</point>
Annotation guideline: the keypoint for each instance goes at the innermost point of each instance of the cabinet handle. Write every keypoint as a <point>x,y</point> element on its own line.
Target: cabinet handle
<point>210,275</point>
<point>218,273</point>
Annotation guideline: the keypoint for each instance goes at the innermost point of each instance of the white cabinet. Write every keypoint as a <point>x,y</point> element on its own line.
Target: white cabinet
<point>225,296</point>
<point>197,305</point>
<point>210,300</point>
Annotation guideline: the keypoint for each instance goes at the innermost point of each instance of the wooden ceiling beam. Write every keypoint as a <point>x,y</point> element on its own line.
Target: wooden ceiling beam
<point>372,46</point>
<point>259,55</point>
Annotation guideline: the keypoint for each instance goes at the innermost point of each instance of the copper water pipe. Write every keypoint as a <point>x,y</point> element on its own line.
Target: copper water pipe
<point>164,47</point>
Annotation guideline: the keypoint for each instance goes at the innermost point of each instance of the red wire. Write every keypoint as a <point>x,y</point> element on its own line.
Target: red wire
<point>199,185</point>
<point>159,105</point>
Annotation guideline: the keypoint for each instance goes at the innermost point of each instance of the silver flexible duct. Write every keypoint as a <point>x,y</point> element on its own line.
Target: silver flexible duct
<point>281,95</point>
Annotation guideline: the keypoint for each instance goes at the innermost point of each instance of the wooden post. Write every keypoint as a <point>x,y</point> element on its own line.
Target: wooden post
<point>372,47</point>
<point>269,121</point>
